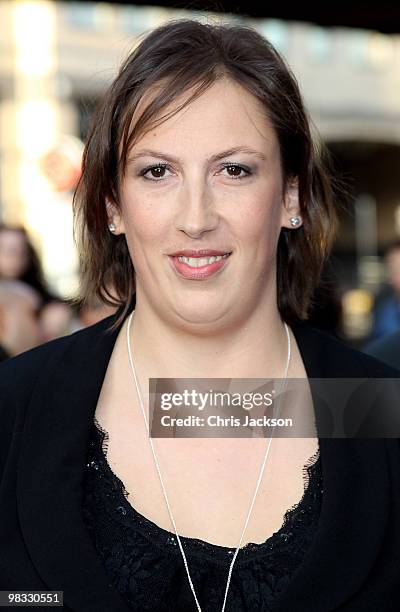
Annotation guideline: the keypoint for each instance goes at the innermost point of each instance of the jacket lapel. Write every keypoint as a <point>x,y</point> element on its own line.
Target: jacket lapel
<point>52,465</point>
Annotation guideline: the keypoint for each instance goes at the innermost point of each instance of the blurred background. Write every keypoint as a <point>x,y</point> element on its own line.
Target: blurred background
<point>56,60</point>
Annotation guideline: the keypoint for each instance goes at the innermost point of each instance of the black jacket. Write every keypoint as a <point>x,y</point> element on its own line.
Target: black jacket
<point>48,397</point>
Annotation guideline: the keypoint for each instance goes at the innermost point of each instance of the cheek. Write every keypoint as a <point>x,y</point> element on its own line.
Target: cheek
<point>261,218</point>
<point>145,228</point>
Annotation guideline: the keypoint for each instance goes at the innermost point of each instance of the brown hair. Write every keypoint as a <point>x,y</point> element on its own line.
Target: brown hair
<point>180,55</point>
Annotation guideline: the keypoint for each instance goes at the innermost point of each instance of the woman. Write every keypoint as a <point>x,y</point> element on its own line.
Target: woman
<point>200,149</point>
<point>20,261</point>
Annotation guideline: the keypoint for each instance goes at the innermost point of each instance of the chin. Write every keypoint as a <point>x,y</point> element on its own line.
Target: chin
<point>201,314</point>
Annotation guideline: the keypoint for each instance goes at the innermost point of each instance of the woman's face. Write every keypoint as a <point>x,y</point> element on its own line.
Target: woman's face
<point>13,254</point>
<point>203,197</point>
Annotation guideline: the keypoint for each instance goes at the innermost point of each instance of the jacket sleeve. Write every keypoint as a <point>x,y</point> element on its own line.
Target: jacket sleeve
<point>18,376</point>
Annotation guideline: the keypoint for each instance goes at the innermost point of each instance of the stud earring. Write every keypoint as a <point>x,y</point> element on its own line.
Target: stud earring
<point>112,227</point>
<point>295,221</point>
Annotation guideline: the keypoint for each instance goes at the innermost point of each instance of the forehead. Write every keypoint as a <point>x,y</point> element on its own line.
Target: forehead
<point>224,114</point>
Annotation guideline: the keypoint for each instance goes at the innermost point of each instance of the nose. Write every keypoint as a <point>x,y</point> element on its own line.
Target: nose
<point>196,211</point>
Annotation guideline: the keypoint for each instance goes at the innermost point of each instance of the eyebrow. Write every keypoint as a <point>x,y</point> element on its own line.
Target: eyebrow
<point>213,158</point>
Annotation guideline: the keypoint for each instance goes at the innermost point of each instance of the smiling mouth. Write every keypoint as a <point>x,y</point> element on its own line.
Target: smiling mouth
<point>198,268</point>
<point>200,262</point>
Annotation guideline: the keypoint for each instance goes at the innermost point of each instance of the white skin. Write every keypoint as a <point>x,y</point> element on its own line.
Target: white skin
<point>228,325</point>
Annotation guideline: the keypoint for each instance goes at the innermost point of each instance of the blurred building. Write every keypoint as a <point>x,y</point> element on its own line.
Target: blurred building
<point>56,59</point>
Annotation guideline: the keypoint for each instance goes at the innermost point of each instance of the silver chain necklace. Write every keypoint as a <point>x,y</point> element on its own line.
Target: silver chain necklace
<point>159,472</point>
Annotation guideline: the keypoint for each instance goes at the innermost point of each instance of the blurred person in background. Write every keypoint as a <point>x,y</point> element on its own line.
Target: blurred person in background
<point>387,304</point>
<point>20,261</point>
<point>56,319</point>
<point>60,317</point>
<point>19,327</point>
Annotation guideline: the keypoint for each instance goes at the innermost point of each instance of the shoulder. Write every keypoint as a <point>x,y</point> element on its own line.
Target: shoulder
<point>18,374</point>
<point>331,356</point>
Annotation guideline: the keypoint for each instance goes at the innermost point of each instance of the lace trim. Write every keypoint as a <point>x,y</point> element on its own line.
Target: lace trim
<point>311,472</point>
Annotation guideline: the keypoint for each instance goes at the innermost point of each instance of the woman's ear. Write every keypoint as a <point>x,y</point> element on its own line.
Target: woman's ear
<point>115,221</point>
<point>291,216</point>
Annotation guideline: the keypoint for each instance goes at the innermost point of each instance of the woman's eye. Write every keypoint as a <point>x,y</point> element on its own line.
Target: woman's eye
<point>235,171</point>
<point>156,172</point>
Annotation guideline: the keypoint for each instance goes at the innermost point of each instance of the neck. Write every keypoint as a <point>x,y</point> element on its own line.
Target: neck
<point>253,346</point>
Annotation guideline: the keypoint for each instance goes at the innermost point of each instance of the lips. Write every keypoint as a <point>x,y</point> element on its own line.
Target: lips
<point>203,272</point>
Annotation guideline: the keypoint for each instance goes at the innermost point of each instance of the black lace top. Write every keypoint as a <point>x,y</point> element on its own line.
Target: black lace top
<point>145,564</point>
